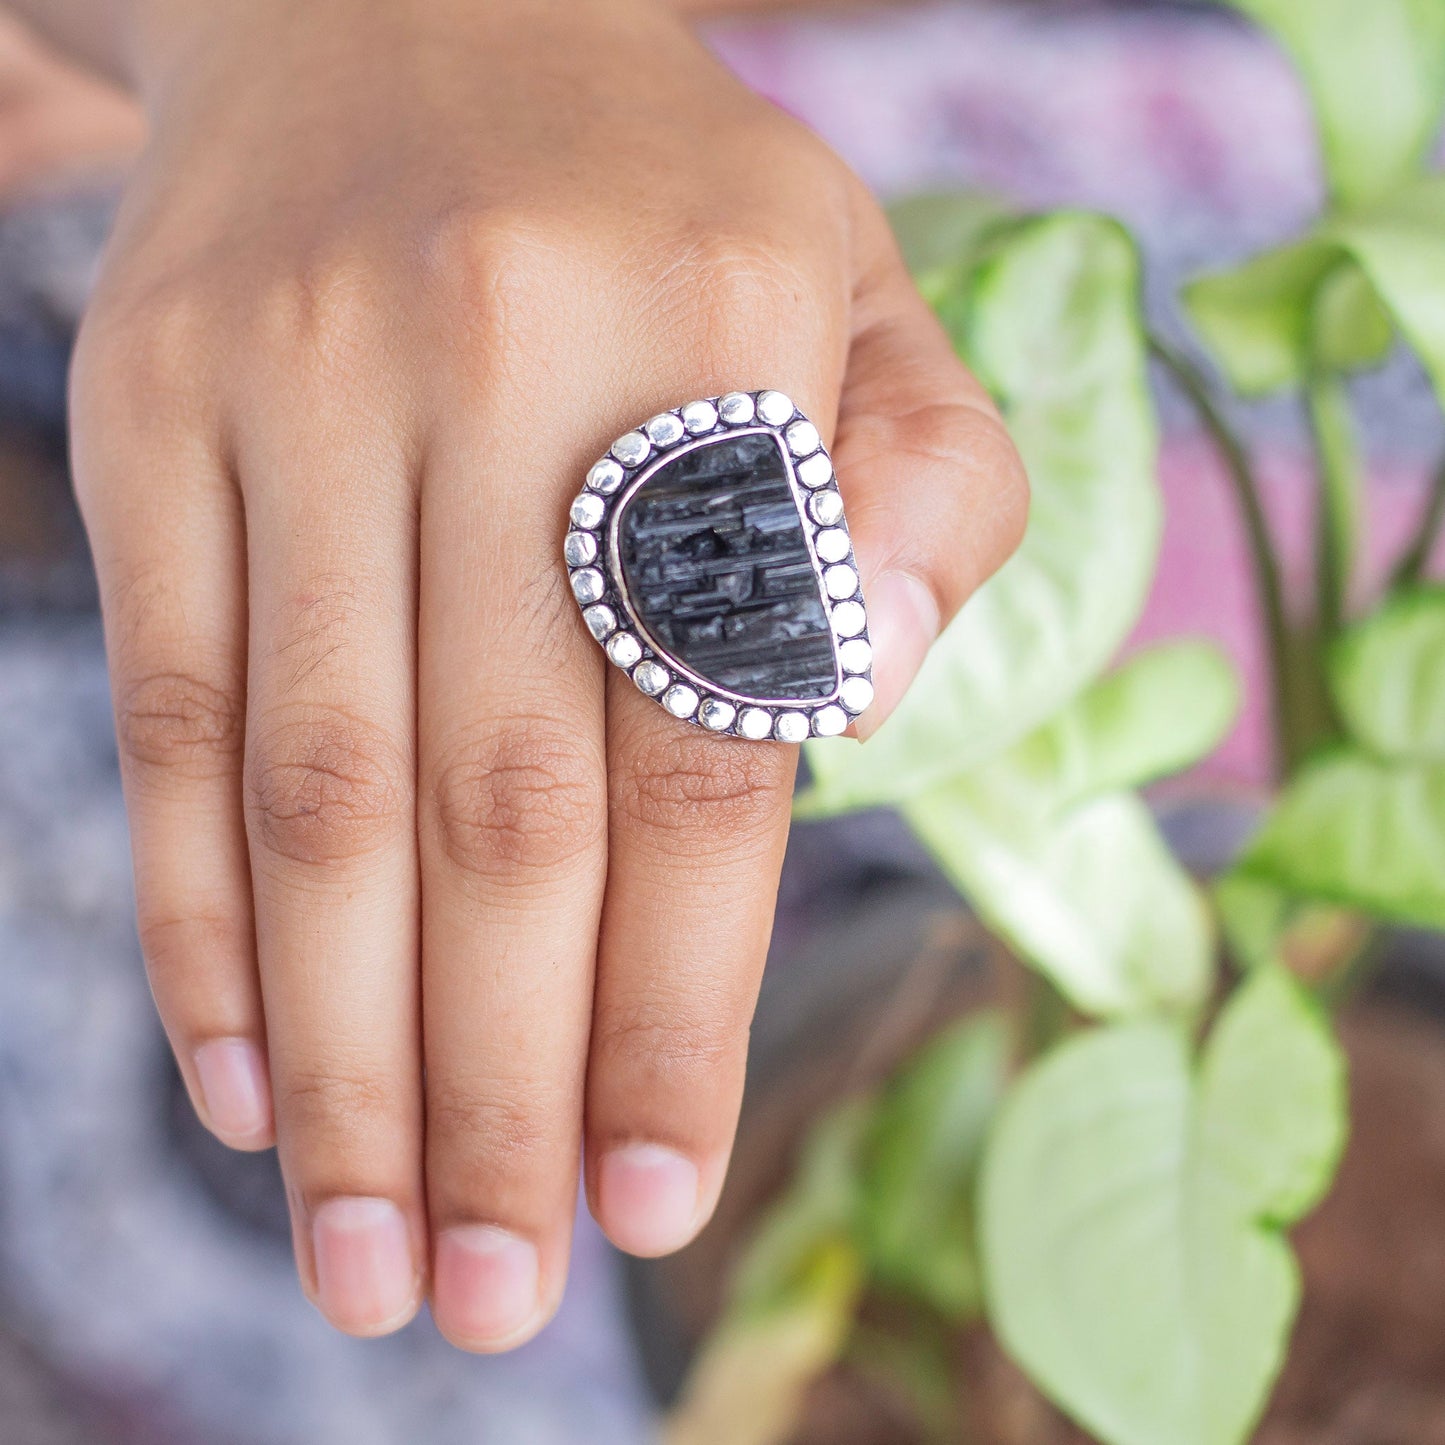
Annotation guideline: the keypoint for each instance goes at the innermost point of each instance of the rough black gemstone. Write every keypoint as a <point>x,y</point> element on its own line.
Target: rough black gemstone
<point>716,565</point>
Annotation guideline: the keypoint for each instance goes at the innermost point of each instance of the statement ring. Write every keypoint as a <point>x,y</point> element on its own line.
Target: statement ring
<point>711,559</point>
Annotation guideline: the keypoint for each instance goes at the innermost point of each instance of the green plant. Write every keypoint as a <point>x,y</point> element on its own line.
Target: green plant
<point>1117,1211</point>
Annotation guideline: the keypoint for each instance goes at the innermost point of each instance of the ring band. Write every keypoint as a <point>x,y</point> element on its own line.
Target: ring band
<point>711,559</point>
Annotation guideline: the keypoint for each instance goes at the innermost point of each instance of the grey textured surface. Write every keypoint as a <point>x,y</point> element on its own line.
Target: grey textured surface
<point>145,1268</point>
<point>716,563</point>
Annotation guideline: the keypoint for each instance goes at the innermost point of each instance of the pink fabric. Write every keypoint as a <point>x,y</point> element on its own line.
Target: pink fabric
<point>1134,114</point>
<point>1204,587</point>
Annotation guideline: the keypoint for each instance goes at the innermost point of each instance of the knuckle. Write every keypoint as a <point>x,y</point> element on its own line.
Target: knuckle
<point>176,720</point>
<point>674,1043</point>
<point>726,789</point>
<point>527,796</point>
<point>512,1125</point>
<point>180,946</point>
<point>504,271</point>
<point>336,1100</point>
<point>974,471</point>
<point>139,353</point>
<point>326,787</point>
<point>734,276</point>
<point>325,314</point>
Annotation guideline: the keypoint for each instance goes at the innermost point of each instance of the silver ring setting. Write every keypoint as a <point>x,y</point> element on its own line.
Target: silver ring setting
<point>710,556</point>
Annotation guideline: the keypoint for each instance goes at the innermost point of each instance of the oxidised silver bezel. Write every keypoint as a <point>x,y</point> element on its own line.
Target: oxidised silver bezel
<point>598,584</point>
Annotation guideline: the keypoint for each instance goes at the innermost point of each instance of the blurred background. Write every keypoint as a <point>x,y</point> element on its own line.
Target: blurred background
<point>146,1289</point>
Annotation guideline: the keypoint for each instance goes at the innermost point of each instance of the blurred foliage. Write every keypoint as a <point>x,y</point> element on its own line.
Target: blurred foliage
<point>1134,1201</point>
<point>1112,1193</point>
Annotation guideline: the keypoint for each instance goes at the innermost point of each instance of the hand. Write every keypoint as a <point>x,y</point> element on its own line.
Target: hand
<point>411,859</point>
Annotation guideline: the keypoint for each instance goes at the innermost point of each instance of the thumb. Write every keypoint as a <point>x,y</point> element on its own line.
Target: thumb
<point>935,492</point>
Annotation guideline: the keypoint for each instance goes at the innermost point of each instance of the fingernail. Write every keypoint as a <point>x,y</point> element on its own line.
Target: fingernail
<point>235,1088</point>
<point>486,1285</point>
<point>366,1281</point>
<point>648,1198</point>
<point>902,624</point>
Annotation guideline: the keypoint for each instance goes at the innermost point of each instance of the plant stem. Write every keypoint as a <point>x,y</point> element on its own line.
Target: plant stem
<point>1265,563</point>
<point>1411,567</point>
<point>1338,515</point>
<point>1045,1016</point>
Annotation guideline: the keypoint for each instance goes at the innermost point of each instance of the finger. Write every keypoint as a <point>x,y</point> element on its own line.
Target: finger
<point>512,815</point>
<point>699,825</point>
<point>329,793</point>
<point>167,535</point>
<point>514,798</point>
<point>936,494</point>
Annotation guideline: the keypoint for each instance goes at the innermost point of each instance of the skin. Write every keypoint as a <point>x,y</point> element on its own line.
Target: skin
<point>57,123</point>
<point>429,894</point>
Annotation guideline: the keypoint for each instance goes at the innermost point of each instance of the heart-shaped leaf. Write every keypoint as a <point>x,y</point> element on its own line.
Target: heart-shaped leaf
<point>1361,832</point>
<point>1091,897</point>
<point>1069,868</point>
<point>1376,75</point>
<point>1156,714</point>
<point>1388,677</point>
<point>1049,317</point>
<point>1259,323</point>
<point>1132,1210</point>
<point>1327,300</point>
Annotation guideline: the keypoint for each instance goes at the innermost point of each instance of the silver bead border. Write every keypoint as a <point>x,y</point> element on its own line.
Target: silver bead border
<point>595,574</point>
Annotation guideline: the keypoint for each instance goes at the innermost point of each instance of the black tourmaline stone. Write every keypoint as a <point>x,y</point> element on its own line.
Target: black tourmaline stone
<point>717,568</point>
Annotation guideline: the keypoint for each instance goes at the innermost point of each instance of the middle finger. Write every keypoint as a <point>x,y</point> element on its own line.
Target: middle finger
<point>513,844</point>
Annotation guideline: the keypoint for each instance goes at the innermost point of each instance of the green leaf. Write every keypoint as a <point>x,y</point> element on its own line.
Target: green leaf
<point>922,1163</point>
<point>1400,247</point>
<point>1257,320</point>
<point>818,1209</point>
<point>1091,897</point>
<point>1067,867</point>
<point>1132,1212</point>
<point>1273,1111</point>
<point>939,231</point>
<point>1350,329</point>
<point>1333,299</point>
<point>748,1384</point>
<point>1361,832</point>
<point>793,1301</point>
<point>1049,318</point>
<point>1254,915</point>
<point>1376,75</point>
<point>1388,677</point>
<point>1157,714</point>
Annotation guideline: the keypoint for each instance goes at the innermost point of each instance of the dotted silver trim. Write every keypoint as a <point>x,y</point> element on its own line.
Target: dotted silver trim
<point>613,621</point>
